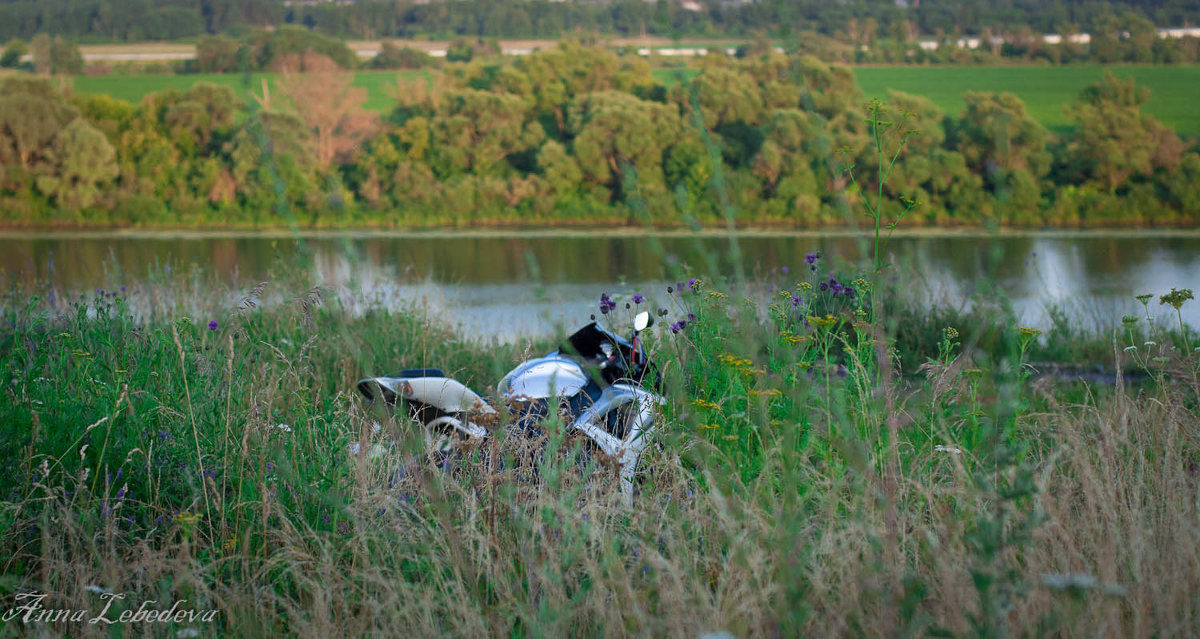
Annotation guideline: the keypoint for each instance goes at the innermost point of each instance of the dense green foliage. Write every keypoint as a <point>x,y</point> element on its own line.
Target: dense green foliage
<point>576,134</point>
<point>1043,89</point>
<point>134,20</point>
<point>825,464</point>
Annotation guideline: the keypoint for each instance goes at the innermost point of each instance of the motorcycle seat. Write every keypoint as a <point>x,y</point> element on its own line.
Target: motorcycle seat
<point>412,373</point>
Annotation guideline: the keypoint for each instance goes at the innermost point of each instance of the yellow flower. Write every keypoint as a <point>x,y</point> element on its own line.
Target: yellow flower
<point>822,322</point>
<point>950,332</point>
<point>709,426</point>
<point>189,519</point>
<point>805,286</point>
<point>1026,331</point>
<point>770,392</point>
<point>701,403</point>
<point>716,294</point>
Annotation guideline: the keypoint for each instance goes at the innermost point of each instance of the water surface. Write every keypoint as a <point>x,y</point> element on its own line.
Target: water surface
<point>505,285</point>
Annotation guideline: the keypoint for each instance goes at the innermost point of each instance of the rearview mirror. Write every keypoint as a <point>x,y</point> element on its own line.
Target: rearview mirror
<point>642,321</point>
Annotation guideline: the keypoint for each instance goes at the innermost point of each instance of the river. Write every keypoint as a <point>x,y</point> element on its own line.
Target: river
<point>508,284</point>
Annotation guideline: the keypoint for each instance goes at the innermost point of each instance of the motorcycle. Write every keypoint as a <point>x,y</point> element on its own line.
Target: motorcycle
<point>604,385</point>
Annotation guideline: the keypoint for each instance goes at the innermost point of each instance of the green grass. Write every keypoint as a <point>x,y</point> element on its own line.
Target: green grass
<point>1045,90</point>
<point>1175,90</point>
<point>800,484</point>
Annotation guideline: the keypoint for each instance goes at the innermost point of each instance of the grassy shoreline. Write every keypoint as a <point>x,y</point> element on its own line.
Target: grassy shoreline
<point>806,478</point>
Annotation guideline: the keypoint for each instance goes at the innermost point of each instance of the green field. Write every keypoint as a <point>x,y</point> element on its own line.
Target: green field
<point>1175,90</point>
<point>1045,90</point>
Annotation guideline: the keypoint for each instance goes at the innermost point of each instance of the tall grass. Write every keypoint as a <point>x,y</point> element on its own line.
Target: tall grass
<point>824,465</point>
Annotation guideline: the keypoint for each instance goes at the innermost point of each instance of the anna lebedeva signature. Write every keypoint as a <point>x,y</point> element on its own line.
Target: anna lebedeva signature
<point>29,609</point>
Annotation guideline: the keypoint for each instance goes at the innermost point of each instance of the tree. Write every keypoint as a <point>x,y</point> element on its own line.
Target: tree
<point>78,163</point>
<point>32,111</point>
<point>1004,146</point>
<point>322,96</point>
<point>12,53</point>
<point>1114,140</point>
<point>476,130</point>
<point>615,132</point>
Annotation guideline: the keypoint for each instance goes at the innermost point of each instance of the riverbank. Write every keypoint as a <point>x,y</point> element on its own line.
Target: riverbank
<point>794,469</point>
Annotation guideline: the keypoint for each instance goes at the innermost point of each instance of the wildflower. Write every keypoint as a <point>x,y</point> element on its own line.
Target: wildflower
<point>691,317</point>
<point>606,304</point>
<point>811,260</point>
<point>662,312</point>
<point>283,427</point>
<point>824,286</point>
<point>694,284</point>
<point>770,392</point>
<point>678,326</point>
<point>805,286</point>
<point>638,299</point>
<point>784,270</point>
<point>1128,320</point>
<point>948,449</point>
<point>950,332</point>
<point>1144,298</point>
<point>795,300</point>
<point>213,325</point>
<point>709,426</point>
<point>1176,297</point>
<point>122,288</point>
<point>1130,348</point>
<point>973,372</point>
<point>1026,331</point>
<point>1148,344</point>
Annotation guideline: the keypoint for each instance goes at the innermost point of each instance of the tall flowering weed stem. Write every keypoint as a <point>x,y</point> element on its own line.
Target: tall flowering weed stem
<point>888,139</point>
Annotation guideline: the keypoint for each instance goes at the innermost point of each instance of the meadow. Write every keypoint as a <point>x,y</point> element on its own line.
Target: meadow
<point>1045,90</point>
<point>832,462</point>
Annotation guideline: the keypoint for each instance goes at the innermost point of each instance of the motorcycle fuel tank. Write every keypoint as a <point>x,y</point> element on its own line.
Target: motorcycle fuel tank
<point>541,378</point>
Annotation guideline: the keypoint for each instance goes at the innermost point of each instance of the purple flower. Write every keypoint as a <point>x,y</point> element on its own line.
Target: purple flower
<point>213,325</point>
<point>824,286</point>
<point>691,316</point>
<point>694,284</point>
<point>606,304</point>
<point>638,299</point>
<point>99,291</point>
<point>123,287</point>
<point>677,326</point>
<point>795,300</point>
<point>784,270</point>
<point>1033,254</point>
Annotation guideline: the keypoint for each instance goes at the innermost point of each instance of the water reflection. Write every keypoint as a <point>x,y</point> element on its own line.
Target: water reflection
<point>506,285</point>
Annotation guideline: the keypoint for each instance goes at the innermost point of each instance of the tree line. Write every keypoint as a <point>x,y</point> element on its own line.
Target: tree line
<point>138,20</point>
<point>577,135</point>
